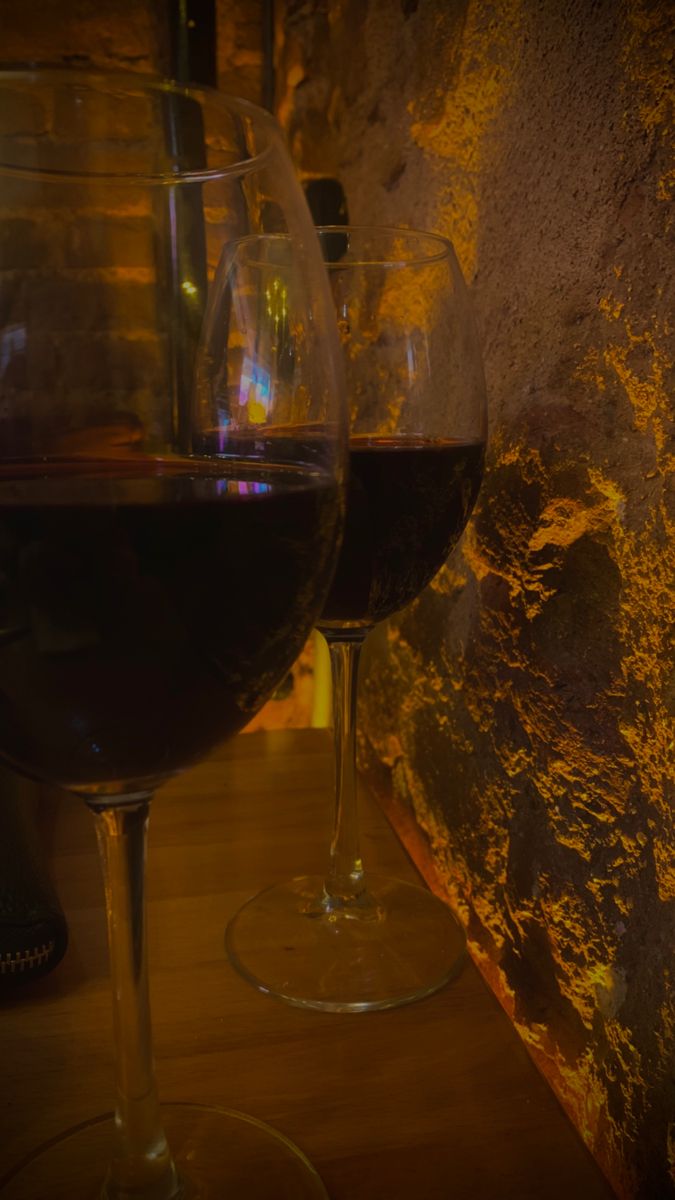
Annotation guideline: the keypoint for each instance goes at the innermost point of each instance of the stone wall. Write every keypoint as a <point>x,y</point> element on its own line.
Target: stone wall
<point>520,716</point>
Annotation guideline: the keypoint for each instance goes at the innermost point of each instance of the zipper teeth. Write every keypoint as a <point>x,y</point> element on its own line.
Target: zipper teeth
<point>26,960</point>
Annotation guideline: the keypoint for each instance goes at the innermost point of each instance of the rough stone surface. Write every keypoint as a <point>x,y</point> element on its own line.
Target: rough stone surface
<point>522,711</point>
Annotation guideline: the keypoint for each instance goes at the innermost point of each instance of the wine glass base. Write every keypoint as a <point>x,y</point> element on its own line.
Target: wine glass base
<point>402,947</point>
<point>217,1153</point>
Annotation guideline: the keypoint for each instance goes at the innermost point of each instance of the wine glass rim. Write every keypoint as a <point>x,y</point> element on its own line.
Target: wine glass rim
<point>141,82</point>
<point>443,247</point>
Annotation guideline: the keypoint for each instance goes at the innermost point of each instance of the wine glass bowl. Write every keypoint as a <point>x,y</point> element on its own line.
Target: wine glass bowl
<point>142,517</point>
<point>348,941</point>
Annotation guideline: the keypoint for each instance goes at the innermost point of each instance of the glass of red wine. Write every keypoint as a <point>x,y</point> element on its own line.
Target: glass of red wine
<point>165,548</point>
<point>416,397</point>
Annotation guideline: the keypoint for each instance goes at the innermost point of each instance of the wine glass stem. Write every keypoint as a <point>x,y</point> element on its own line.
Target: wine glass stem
<point>141,1164</point>
<point>346,885</point>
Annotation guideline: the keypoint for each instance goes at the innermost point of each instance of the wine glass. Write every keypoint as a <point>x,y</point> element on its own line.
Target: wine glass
<point>416,395</point>
<point>143,521</point>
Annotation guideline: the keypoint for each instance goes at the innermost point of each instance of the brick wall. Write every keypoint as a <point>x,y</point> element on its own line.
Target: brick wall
<point>239,48</point>
<point>78,282</point>
<point>127,35</point>
<point>91,286</point>
<point>92,259</point>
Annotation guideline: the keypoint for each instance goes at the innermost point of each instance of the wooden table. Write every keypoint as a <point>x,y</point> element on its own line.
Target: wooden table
<point>437,1100</point>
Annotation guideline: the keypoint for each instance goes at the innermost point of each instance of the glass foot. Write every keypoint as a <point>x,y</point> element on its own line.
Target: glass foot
<point>403,945</point>
<point>217,1152</point>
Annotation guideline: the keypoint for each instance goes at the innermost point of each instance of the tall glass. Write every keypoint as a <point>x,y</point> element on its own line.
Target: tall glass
<point>164,552</point>
<point>348,941</point>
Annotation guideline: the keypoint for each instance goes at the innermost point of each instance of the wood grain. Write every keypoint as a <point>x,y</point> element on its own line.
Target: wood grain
<point>437,1100</point>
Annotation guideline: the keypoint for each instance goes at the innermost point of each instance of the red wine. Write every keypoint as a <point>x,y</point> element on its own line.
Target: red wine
<point>407,504</point>
<point>145,615</point>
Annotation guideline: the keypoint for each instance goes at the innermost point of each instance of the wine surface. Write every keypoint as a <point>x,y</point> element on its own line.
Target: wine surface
<point>145,615</point>
<point>407,504</point>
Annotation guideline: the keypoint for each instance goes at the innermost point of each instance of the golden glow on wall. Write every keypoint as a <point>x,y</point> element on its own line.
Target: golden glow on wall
<point>452,124</point>
<point>519,719</point>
